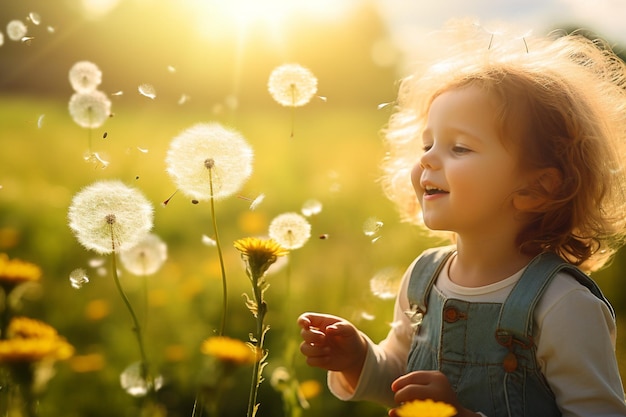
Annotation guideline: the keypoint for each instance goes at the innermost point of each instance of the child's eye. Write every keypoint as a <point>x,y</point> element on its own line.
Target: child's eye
<point>426,148</point>
<point>460,150</point>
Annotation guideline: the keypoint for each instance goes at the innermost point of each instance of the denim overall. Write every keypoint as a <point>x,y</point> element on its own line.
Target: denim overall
<point>486,349</point>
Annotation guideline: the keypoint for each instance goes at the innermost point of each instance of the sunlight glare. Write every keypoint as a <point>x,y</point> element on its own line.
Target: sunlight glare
<point>241,14</point>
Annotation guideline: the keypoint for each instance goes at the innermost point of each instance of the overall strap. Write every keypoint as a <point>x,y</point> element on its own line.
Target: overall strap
<point>424,275</point>
<point>516,315</point>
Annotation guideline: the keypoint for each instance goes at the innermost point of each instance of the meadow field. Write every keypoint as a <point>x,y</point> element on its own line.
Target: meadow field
<point>331,159</point>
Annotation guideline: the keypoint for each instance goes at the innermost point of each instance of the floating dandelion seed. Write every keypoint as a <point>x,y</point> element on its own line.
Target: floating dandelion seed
<point>51,29</point>
<point>292,85</point>
<point>40,121</point>
<point>311,207</point>
<point>35,18</point>
<point>147,90</point>
<point>371,226</point>
<point>208,241</point>
<point>85,76</point>
<point>78,278</point>
<point>171,68</point>
<point>1,39</point>
<point>90,109</point>
<point>385,283</point>
<point>96,160</point>
<point>209,161</point>
<point>118,93</point>
<point>290,230</point>
<point>258,200</point>
<point>108,216</point>
<point>146,257</point>
<point>183,99</point>
<point>16,30</point>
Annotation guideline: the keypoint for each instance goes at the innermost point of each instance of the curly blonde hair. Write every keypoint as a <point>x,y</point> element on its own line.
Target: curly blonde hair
<point>562,106</point>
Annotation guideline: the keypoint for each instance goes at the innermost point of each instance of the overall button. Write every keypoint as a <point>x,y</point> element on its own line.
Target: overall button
<point>451,314</point>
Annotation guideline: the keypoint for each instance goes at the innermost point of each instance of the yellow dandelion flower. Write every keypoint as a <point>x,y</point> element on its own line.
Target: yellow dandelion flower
<point>426,408</point>
<point>31,340</point>
<point>16,271</point>
<point>259,254</point>
<point>310,388</point>
<point>229,350</point>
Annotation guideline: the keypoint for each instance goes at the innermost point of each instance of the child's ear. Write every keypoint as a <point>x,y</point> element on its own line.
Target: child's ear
<point>542,183</point>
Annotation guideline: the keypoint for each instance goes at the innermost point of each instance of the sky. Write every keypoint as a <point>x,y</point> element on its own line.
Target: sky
<point>411,19</point>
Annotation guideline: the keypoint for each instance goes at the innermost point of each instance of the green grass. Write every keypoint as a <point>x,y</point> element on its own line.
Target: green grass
<point>333,158</point>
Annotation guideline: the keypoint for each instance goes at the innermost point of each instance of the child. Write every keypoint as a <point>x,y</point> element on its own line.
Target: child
<point>515,146</point>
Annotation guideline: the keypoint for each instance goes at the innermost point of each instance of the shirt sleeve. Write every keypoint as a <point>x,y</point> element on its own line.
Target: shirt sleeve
<point>576,350</point>
<point>384,361</point>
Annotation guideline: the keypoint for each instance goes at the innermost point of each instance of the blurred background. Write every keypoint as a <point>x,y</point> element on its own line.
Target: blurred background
<point>210,60</point>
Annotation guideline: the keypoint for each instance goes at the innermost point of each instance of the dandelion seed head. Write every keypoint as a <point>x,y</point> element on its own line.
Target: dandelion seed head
<point>385,283</point>
<point>78,278</point>
<point>292,85</point>
<point>133,382</point>
<point>109,216</point>
<point>90,109</point>
<point>16,30</point>
<point>85,76</point>
<point>311,207</point>
<point>208,161</point>
<point>146,257</point>
<point>147,90</point>
<point>290,230</point>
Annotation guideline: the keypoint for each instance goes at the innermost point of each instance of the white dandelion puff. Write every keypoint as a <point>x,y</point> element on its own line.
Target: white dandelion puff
<point>292,85</point>
<point>290,230</point>
<point>16,30</point>
<point>208,161</point>
<point>85,76</point>
<point>90,109</point>
<point>385,283</point>
<point>146,257</point>
<point>109,216</point>
<point>147,90</point>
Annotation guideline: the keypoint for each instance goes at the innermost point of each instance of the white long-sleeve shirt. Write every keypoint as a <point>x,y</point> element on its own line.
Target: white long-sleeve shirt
<point>574,332</point>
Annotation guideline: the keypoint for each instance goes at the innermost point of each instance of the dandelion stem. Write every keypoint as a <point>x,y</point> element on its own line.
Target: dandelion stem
<point>219,254</point>
<point>293,107</point>
<point>260,339</point>
<point>136,328</point>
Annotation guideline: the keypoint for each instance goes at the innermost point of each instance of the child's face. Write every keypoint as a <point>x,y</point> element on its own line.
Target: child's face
<point>466,178</point>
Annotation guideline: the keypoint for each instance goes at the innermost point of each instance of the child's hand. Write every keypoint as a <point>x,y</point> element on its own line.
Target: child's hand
<point>332,343</point>
<point>422,385</point>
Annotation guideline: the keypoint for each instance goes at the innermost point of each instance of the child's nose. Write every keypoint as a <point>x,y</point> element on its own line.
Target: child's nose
<point>428,159</point>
